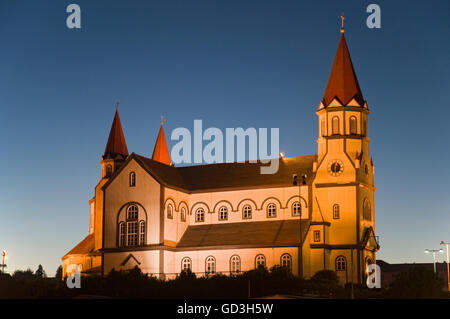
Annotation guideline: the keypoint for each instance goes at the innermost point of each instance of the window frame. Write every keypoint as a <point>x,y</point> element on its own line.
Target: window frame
<point>294,214</point>
<point>335,126</point>
<point>269,210</point>
<point>286,257</point>
<point>210,260</point>
<point>132,179</point>
<point>197,220</point>
<point>223,209</point>
<point>317,236</point>
<point>233,263</point>
<point>169,211</point>
<point>183,263</point>
<point>247,214</point>
<point>353,125</point>
<point>262,257</point>
<point>336,211</point>
<point>340,263</point>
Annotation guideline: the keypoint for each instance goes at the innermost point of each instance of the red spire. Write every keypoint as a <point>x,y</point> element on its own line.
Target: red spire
<point>116,142</point>
<point>342,83</point>
<point>161,152</point>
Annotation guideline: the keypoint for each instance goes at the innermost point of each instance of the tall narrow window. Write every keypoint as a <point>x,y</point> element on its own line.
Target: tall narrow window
<point>142,233</point>
<point>271,210</point>
<point>335,125</point>
<point>122,234</point>
<point>260,261</point>
<point>336,213</point>
<point>286,261</point>
<point>323,127</point>
<point>235,264</point>
<point>132,179</point>
<point>341,263</point>
<point>169,211</point>
<point>183,214</point>
<point>296,209</point>
<point>247,212</point>
<point>210,266</point>
<point>186,264</point>
<point>317,236</point>
<point>132,233</point>
<point>200,215</point>
<point>223,213</point>
<point>364,127</point>
<point>353,126</point>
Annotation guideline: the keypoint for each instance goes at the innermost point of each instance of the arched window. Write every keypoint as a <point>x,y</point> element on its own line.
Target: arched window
<point>286,261</point>
<point>296,209</point>
<point>223,213</point>
<point>169,211</point>
<point>122,234</point>
<point>186,264</point>
<point>200,215</point>
<point>260,261</point>
<point>183,214</point>
<point>132,212</point>
<point>336,213</point>
<point>132,179</point>
<point>323,127</point>
<point>247,212</point>
<point>271,210</point>
<point>335,125</point>
<point>366,210</point>
<point>341,263</point>
<point>353,126</point>
<point>131,232</point>
<point>210,265</point>
<point>235,264</point>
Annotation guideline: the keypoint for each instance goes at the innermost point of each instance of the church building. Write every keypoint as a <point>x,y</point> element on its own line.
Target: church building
<point>317,212</point>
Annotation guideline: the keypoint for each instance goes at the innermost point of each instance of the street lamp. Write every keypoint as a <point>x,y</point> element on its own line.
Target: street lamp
<point>3,265</point>
<point>448,267</point>
<point>433,251</point>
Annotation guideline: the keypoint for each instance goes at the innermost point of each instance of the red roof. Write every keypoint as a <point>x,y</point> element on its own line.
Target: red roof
<point>342,83</point>
<point>116,142</point>
<point>161,152</point>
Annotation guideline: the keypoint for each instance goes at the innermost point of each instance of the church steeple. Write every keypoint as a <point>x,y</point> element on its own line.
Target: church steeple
<point>116,150</point>
<point>342,83</point>
<point>161,151</point>
<point>116,142</point>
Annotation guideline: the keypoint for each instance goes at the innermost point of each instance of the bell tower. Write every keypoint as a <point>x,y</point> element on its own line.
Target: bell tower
<point>343,187</point>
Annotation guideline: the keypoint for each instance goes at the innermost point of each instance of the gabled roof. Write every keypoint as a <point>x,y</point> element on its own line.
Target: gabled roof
<point>226,176</point>
<point>161,151</point>
<point>116,142</point>
<point>272,233</point>
<point>86,246</point>
<point>342,83</point>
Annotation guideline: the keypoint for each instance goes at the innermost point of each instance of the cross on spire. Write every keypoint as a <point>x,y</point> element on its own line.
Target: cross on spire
<point>342,22</point>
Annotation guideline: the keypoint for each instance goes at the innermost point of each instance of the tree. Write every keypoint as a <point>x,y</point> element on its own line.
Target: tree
<point>326,281</point>
<point>59,273</point>
<point>416,282</point>
<point>40,273</point>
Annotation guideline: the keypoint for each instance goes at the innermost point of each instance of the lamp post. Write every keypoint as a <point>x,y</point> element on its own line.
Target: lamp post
<point>448,267</point>
<point>3,261</point>
<point>433,251</point>
<point>296,182</point>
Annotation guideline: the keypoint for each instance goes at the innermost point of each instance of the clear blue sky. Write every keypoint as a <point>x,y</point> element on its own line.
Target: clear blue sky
<point>230,63</point>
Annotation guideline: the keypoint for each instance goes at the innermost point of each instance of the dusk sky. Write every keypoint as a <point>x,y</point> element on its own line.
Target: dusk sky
<point>259,64</point>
